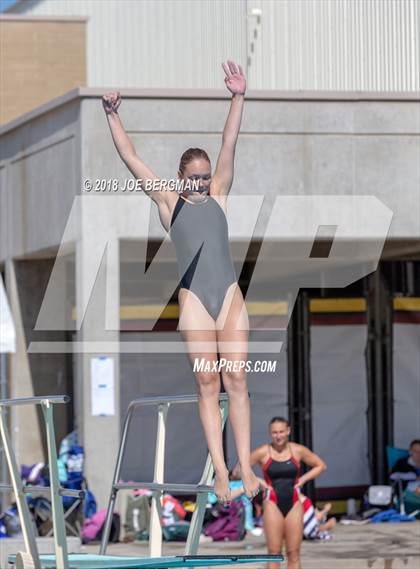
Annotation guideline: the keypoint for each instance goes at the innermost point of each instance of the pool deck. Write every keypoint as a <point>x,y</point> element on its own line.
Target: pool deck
<point>373,546</point>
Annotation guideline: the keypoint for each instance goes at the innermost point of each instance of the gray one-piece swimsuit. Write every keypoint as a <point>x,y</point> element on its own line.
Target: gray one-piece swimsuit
<point>200,234</point>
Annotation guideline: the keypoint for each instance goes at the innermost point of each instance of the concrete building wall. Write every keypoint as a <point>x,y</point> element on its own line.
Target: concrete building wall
<point>40,167</point>
<point>288,145</point>
<point>328,45</point>
<point>40,59</point>
<point>41,164</point>
<point>50,374</point>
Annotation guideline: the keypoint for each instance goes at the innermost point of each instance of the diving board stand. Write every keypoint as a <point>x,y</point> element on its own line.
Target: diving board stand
<point>30,559</point>
<point>56,492</point>
<point>158,486</point>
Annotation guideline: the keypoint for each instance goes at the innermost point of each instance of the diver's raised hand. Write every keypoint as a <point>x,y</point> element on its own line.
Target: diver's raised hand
<point>235,78</point>
<point>111,101</point>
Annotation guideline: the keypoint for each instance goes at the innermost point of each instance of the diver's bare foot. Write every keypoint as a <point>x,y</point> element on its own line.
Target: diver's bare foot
<point>251,483</point>
<point>221,487</point>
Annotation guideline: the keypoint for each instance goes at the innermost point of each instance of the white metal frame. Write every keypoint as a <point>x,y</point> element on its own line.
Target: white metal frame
<point>56,492</point>
<point>31,555</point>
<point>158,486</point>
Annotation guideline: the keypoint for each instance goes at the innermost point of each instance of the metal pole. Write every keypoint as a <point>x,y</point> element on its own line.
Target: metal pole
<point>306,371</point>
<point>3,395</point>
<point>291,375</point>
<point>117,472</point>
<point>193,539</point>
<point>60,541</point>
<point>299,364</point>
<point>379,423</point>
<point>306,382</point>
<point>389,370</point>
<point>379,360</point>
<point>155,534</point>
<point>25,516</point>
<point>370,411</point>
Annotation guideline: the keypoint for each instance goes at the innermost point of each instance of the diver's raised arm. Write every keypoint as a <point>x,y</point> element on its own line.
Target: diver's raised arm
<point>111,101</point>
<point>236,84</point>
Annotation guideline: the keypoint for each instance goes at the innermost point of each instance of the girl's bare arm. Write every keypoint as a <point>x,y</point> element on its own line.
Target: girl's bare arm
<point>223,175</point>
<point>313,460</point>
<point>125,148</point>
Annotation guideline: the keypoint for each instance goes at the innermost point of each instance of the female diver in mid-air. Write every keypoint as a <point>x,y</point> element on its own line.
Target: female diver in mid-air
<point>212,309</point>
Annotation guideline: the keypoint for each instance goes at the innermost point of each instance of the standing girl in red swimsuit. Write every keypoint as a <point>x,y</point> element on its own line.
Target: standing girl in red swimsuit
<point>283,513</point>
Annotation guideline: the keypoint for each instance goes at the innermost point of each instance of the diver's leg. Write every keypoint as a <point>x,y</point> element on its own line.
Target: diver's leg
<point>198,331</point>
<point>233,347</point>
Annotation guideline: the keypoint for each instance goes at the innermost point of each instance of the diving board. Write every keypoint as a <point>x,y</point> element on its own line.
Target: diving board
<point>87,561</point>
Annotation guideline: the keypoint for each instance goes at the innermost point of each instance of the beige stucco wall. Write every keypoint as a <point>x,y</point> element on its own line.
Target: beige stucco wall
<point>39,59</point>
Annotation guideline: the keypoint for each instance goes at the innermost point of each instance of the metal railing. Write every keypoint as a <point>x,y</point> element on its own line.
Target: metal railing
<point>20,490</point>
<point>158,486</point>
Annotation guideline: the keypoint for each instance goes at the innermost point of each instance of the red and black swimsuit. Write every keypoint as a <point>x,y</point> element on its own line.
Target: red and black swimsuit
<point>282,477</point>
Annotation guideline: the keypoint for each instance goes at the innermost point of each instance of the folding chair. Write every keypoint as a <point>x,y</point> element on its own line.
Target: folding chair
<point>393,455</point>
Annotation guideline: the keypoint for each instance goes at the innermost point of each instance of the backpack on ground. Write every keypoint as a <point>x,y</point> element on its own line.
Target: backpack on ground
<point>93,527</point>
<point>177,531</point>
<point>137,517</point>
<point>229,525</point>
